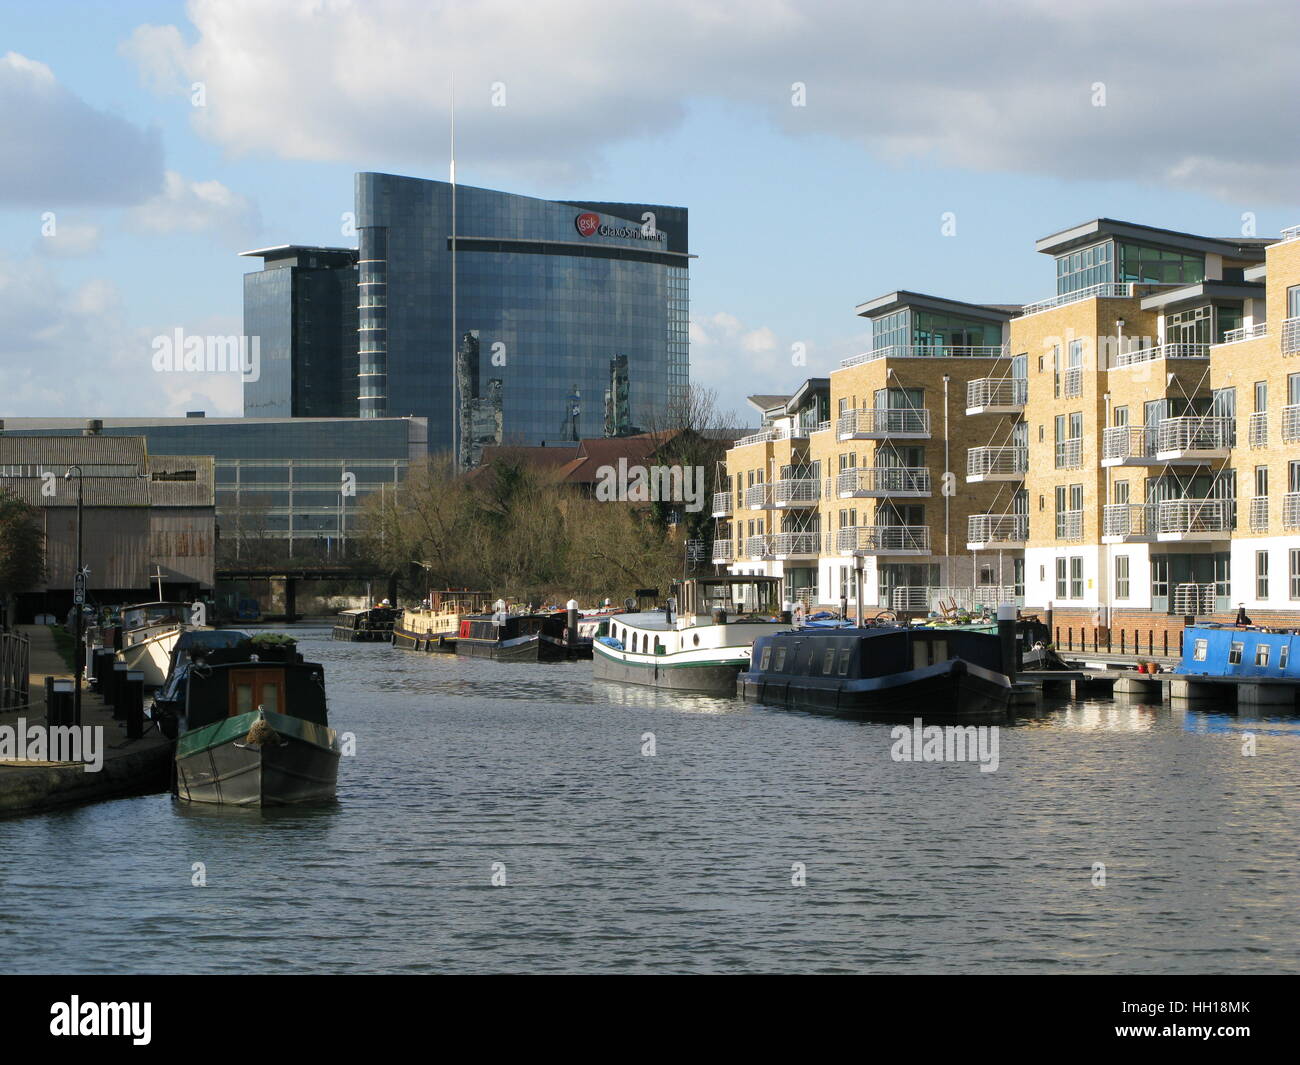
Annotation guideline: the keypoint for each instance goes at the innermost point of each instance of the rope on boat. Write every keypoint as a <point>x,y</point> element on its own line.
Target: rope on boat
<point>261,733</point>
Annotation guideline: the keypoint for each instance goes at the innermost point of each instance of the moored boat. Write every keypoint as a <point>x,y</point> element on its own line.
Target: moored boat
<point>701,648</point>
<point>148,633</point>
<point>435,627</point>
<point>884,670</point>
<point>370,625</point>
<point>525,637</point>
<point>251,723</point>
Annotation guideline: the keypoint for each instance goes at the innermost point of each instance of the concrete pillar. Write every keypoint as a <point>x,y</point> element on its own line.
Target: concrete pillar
<point>1137,686</point>
<point>291,599</point>
<point>1266,694</point>
<point>1191,689</point>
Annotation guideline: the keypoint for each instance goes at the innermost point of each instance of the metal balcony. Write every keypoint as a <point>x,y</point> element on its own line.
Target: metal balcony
<point>880,482</point>
<point>1162,351</point>
<point>1246,332</point>
<point>1291,424</point>
<point>996,395</point>
<point>1128,445</point>
<point>795,492</point>
<point>723,551</point>
<point>795,545</point>
<point>1291,336</point>
<point>883,424</point>
<point>927,351</point>
<point>1194,439</point>
<point>1005,463</point>
<point>758,497</point>
<point>996,530</point>
<point>1190,520</point>
<point>1194,599</point>
<point>1291,510</point>
<point>1072,382</point>
<point>1069,454</point>
<point>883,540</point>
<point>1259,429</point>
<point>722,506</point>
<point>1128,523</point>
<point>758,547</point>
<point>1069,525</point>
<point>1259,514</point>
<point>1105,290</point>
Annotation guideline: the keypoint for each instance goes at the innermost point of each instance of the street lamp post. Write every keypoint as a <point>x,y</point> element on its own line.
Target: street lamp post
<point>79,605</point>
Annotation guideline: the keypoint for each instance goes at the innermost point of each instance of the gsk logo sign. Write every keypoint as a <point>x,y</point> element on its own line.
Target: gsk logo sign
<point>588,225</point>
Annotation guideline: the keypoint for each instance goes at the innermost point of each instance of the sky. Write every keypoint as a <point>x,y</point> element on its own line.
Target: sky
<point>829,152</point>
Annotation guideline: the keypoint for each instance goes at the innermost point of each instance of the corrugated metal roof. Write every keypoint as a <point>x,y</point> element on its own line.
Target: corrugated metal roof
<point>97,491</point>
<point>182,480</point>
<point>72,450</point>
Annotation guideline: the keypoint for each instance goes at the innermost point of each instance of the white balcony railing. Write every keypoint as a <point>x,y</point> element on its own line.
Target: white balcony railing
<point>758,496</point>
<point>1072,382</point>
<point>1128,521</point>
<point>994,529</point>
<point>1106,290</point>
<point>1193,599</point>
<point>795,544</point>
<point>874,482</point>
<point>798,432</point>
<point>1291,423</point>
<point>1069,525</point>
<point>1291,336</point>
<point>1246,332</point>
<point>1290,233</point>
<point>878,423</point>
<point>722,505</point>
<point>927,351</point>
<point>758,547</point>
<point>796,492</point>
<point>914,598</point>
<point>1069,454</point>
<point>1259,514</point>
<point>997,394</point>
<point>1291,510</point>
<point>723,551</point>
<point>1259,429</point>
<point>1188,517</point>
<point>1195,433</point>
<point>1127,444</point>
<point>1162,351</point>
<point>1006,462</point>
<point>883,539</point>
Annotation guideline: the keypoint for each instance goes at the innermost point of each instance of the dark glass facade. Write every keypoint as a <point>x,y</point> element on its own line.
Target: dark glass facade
<point>302,308</point>
<point>553,291</point>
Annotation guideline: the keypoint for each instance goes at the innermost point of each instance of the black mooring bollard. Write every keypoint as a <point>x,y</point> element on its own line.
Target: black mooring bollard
<point>1007,637</point>
<point>61,704</point>
<point>115,687</point>
<point>133,700</point>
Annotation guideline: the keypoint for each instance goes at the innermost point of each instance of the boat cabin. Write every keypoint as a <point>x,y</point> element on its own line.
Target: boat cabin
<point>735,597</point>
<point>1230,651</point>
<point>878,651</point>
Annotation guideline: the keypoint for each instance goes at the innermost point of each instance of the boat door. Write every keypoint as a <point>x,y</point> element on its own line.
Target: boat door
<point>251,688</point>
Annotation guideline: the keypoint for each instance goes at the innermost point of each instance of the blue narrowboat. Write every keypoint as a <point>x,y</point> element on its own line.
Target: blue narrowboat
<point>1213,652</point>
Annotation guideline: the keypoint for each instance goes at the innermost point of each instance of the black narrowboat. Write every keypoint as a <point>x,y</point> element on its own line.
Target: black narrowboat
<point>374,625</point>
<point>519,638</point>
<point>881,670</point>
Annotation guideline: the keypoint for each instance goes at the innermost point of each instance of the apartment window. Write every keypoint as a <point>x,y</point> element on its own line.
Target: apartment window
<point>1293,302</point>
<point>1061,586</point>
<point>1056,370</point>
<point>1159,577</point>
<point>1261,396</point>
<point>1121,576</point>
<point>1119,491</point>
<point>1076,577</point>
<point>1294,557</point>
<point>1120,416</point>
<point>1076,497</point>
<point>1261,574</point>
<point>1074,370</point>
<point>1261,480</point>
<point>1040,364</point>
<point>1018,576</point>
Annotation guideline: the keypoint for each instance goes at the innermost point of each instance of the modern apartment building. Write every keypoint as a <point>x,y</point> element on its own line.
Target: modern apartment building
<point>1125,450</point>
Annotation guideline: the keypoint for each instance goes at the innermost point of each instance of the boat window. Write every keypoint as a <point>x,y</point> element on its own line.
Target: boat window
<point>270,697</point>
<point>1283,653</point>
<point>1234,654</point>
<point>243,699</point>
<point>940,651</point>
<point>697,639</point>
<point>828,663</point>
<point>1261,654</point>
<point>1199,650</point>
<point>920,653</point>
<point>767,657</point>
<point>780,659</point>
<point>844,661</point>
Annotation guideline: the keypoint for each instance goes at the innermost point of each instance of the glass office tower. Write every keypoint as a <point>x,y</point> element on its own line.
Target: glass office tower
<point>564,301</point>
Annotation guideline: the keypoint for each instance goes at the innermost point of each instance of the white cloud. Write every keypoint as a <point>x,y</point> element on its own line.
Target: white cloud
<point>67,352</point>
<point>59,150</point>
<point>194,206</point>
<point>68,239</point>
<point>1191,87</point>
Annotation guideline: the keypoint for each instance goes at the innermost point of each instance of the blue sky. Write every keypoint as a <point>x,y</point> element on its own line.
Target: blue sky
<point>797,212</point>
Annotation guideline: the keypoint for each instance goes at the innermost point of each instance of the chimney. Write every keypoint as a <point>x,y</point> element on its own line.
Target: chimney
<point>94,426</point>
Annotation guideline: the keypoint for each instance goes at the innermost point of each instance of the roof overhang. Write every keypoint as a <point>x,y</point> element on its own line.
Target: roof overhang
<point>896,301</point>
<point>1202,292</point>
<point>1099,229</point>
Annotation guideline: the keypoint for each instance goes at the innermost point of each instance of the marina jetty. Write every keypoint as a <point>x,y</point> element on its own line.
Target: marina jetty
<point>109,764</point>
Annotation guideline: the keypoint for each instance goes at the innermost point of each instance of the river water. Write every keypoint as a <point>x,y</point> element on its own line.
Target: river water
<point>613,860</point>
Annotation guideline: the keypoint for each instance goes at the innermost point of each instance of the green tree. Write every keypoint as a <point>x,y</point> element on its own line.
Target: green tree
<point>22,548</point>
